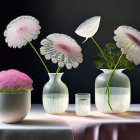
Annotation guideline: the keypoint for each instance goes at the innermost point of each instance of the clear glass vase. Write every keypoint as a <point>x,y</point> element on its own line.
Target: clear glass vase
<point>119,92</point>
<point>55,95</point>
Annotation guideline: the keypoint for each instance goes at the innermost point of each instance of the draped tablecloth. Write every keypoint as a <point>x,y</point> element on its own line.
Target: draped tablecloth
<point>100,126</point>
<point>39,125</point>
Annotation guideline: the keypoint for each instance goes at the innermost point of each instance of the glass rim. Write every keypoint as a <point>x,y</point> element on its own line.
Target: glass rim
<point>82,93</point>
<point>82,99</point>
<point>82,96</point>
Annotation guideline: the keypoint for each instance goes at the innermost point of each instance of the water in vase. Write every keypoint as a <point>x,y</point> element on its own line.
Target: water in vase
<point>119,99</point>
<point>55,103</point>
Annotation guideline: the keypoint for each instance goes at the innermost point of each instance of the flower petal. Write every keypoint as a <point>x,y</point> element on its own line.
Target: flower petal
<point>88,28</point>
<point>128,39</point>
<point>62,49</point>
<point>64,44</point>
<point>21,30</point>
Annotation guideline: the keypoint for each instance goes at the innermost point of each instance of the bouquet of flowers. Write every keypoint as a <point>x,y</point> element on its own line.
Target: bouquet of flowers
<point>60,48</point>
<point>127,39</point>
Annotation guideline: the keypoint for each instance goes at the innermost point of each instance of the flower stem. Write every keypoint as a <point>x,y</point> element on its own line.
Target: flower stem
<point>57,71</point>
<point>109,81</point>
<point>109,101</point>
<point>39,57</point>
<point>101,52</point>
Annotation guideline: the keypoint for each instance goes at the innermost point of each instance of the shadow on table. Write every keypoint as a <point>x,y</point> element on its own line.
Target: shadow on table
<point>99,115</point>
<point>129,114</point>
<point>43,122</point>
<point>92,115</point>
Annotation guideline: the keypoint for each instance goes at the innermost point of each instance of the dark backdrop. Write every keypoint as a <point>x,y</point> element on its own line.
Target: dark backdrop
<point>63,16</point>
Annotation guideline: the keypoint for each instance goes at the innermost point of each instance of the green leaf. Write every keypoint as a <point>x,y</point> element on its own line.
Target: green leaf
<point>112,53</point>
<point>110,46</point>
<point>118,53</point>
<point>129,65</point>
<point>99,62</point>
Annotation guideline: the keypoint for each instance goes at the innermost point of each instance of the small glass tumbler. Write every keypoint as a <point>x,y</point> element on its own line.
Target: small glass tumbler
<point>82,104</point>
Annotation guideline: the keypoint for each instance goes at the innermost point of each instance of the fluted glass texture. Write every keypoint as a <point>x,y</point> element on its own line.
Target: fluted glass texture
<point>55,95</point>
<point>119,92</point>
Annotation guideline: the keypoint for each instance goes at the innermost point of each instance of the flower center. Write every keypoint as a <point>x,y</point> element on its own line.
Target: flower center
<point>64,49</point>
<point>22,29</point>
<point>133,38</point>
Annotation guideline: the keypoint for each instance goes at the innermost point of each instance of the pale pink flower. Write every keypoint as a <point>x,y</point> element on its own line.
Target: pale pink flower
<point>22,30</point>
<point>89,27</point>
<point>15,79</point>
<point>128,39</point>
<point>62,49</point>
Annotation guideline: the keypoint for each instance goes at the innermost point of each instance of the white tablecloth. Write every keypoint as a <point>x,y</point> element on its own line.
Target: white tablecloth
<point>37,126</point>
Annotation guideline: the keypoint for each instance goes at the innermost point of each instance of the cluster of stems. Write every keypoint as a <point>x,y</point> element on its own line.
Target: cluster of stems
<point>107,92</point>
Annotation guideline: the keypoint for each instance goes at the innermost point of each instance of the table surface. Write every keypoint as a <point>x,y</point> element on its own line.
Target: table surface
<point>68,122</point>
<point>38,125</point>
<point>38,118</point>
<point>132,115</point>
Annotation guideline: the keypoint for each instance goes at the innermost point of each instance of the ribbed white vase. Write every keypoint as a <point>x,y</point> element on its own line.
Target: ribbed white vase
<point>55,95</point>
<point>119,92</point>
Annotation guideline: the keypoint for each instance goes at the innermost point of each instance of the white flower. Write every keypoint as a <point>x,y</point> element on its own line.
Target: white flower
<point>22,30</point>
<point>128,39</point>
<point>62,49</point>
<point>88,28</point>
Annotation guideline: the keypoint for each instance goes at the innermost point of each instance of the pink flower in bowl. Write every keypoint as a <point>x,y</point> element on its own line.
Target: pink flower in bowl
<point>14,79</point>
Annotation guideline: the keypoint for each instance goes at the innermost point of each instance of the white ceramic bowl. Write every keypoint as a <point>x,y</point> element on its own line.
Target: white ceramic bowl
<point>14,107</point>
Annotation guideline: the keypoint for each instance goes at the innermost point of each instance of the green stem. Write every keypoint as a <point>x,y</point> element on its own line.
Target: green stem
<point>117,65</point>
<point>109,101</point>
<point>39,57</point>
<point>57,71</point>
<point>101,52</point>
<point>113,73</point>
<point>109,81</point>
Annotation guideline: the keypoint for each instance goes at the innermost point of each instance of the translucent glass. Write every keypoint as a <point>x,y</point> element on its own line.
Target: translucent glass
<point>119,92</point>
<point>55,95</point>
<point>82,104</point>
